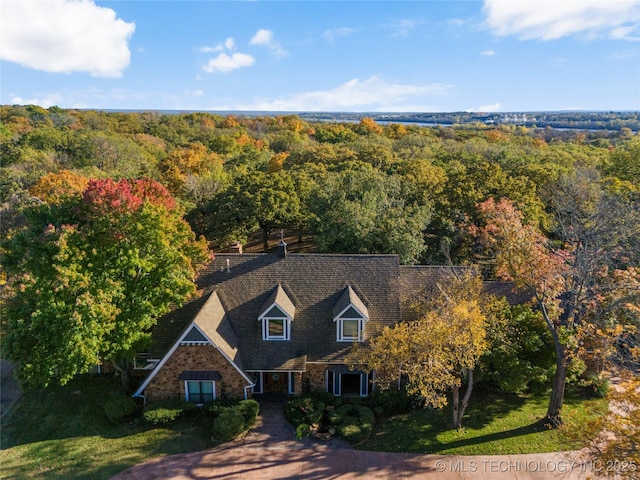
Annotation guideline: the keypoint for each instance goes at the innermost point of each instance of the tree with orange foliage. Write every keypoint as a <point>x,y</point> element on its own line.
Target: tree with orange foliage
<point>57,187</point>
<point>586,286</point>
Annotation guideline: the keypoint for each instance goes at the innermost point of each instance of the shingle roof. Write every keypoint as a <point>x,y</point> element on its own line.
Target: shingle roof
<point>314,284</point>
<point>349,297</point>
<point>420,281</point>
<point>211,319</point>
<point>279,298</point>
<point>507,290</point>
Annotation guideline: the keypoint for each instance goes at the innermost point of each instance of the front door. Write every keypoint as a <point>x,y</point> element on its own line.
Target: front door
<point>275,382</point>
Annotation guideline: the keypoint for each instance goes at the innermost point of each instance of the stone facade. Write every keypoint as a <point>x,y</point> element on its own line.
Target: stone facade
<point>297,382</point>
<point>314,377</point>
<point>166,386</point>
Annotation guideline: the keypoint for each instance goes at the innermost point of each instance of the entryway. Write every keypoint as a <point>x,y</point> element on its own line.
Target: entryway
<point>275,382</point>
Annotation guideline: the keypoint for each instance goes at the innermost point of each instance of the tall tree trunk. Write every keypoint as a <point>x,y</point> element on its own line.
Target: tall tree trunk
<point>123,366</point>
<point>455,403</point>
<point>457,416</point>
<point>554,418</point>
<point>459,409</point>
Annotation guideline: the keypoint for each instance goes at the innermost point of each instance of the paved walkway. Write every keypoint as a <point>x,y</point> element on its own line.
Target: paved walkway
<point>271,451</point>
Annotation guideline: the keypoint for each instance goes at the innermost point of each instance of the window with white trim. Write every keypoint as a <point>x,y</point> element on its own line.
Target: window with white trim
<point>276,325</point>
<point>350,325</point>
<point>200,391</point>
<point>348,383</point>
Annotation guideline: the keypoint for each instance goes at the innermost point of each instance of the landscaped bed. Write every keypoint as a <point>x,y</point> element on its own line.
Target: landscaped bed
<point>495,423</point>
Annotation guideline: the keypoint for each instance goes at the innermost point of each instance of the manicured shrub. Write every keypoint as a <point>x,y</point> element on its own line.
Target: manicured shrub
<point>304,410</point>
<point>218,406</point>
<point>161,413</point>
<point>249,410</point>
<point>390,402</point>
<point>228,425</point>
<point>354,423</point>
<point>120,408</point>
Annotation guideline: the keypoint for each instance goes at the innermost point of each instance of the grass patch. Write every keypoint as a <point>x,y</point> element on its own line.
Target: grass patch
<point>63,432</point>
<point>495,424</point>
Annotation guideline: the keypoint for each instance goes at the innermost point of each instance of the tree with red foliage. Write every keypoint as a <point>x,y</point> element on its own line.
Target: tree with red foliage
<point>89,277</point>
<point>587,286</point>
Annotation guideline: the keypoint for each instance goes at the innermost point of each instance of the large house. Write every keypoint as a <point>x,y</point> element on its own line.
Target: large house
<point>277,323</point>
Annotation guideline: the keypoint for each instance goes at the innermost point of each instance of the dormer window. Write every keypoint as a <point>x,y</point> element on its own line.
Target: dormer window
<point>350,315</point>
<point>277,315</point>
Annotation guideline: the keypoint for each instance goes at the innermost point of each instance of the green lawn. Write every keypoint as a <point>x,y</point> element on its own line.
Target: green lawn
<point>63,433</point>
<point>493,425</point>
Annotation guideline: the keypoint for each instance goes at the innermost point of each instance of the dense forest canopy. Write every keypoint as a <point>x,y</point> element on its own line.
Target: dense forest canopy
<point>356,186</point>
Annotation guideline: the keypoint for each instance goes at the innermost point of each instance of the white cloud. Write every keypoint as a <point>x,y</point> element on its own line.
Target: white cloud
<point>46,102</point>
<point>495,107</point>
<point>332,34</point>
<point>264,38</point>
<point>403,27</point>
<point>65,36</point>
<point>225,63</point>
<point>228,44</point>
<point>553,19</point>
<point>488,53</point>
<point>372,94</point>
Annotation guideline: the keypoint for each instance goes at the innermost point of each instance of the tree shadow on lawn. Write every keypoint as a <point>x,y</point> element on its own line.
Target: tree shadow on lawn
<point>74,458</point>
<point>75,410</point>
<point>418,431</point>
<point>535,427</point>
<point>64,432</point>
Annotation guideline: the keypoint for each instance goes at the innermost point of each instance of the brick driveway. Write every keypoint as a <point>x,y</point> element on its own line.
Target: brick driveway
<point>271,451</point>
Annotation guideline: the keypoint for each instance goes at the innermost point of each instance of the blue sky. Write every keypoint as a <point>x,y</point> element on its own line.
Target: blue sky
<point>358,56</point>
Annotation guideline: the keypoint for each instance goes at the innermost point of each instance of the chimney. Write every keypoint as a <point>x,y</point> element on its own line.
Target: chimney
<point>282,249</point>
<point>236,247</point>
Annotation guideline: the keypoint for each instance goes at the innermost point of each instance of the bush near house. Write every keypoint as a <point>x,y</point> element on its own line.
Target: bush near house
<point>162,413</point>
<point>228,425</point>
<point>232,418</point>
<point>352,419</point>
<point>120,408</point>
<point>354,423</point>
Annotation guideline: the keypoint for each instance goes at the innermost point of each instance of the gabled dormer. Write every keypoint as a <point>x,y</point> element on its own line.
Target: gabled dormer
<point>276,316</point>
<point>350,315</point>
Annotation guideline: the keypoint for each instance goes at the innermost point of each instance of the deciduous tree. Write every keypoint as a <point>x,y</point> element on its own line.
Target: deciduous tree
<point>436,352</point>
<point>582,285</point>
<point>90,276</point>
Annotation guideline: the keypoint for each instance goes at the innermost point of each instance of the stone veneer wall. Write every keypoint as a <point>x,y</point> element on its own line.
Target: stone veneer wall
<point>315,376</point>
<point>166,386</point>
<point>297,382</point>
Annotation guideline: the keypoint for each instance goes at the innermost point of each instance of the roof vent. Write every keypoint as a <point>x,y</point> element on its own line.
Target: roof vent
<point>282,249</point>
<point>228,266</point>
